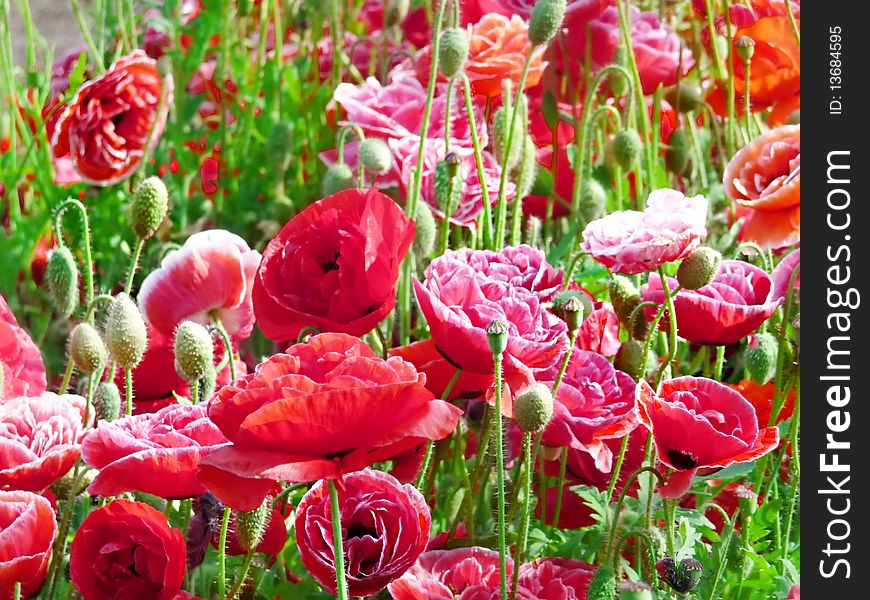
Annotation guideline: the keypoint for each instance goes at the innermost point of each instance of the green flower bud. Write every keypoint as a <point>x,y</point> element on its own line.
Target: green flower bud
<point>550,109</point>
<point>593,200</point>
<point>424,237</point>
<point>107,401</point>
<point>125,333</point>
<point>534,408</point>
<point>618,82</point>
<point>194,351</point>
<point>745,47</point>
<point>699,268</point>
<point>453,51</point>
<point>62,278</point>
<point>338,177</point>
<point>395,12</point>
<point>627,146</point>
<point>375,155</point>
<point>86,348</point>
<point>63,487</point>
<point>251,525</point>
<point>497,337</point>
<point>629,359</point>
<point>445,173</point>
<point>148,208</point>
<point>624,297</point>
<point>761,361</point>
<point>679,153</point>
<point>635,590</point>
<point>527,168</point>
<point>602,586</point>
<point>546,20</point>
<point>278,146</point>
<point>500,122</point>
<point>685,98</point>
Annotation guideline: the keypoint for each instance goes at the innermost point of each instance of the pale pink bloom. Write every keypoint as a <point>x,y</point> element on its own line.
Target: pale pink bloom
<point>39,439</point>
<point>633,242</point>
<point>20,361</point>
<point>210,276</point>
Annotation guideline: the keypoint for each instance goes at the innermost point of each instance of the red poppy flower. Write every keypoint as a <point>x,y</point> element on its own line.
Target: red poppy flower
<point>461,296</point>
<point>761,397</point>
<point>333,266</point>
<point>39,439</point>
<point>447,574</point>
<point>27,530</point>
<point>210,276</point>
<point>154,453</point>
<point>385,527</point>
<point>127,550</point>
<point>594,403</point>
<point>765,177</point>
<point>21,367</point>
<point>554,578</point>
<point>732,306</point>
<point>700,423</point>
<point>105,127</point>
<point>438,370</point>
<point>325,408</point>
<point>497,49</point>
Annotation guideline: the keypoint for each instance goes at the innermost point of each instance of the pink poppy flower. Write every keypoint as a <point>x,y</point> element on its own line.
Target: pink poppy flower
<point>554,579</point>
<point>739,299</point>
<point>463,573</point>
<point>577,12</point>
<point>210,276</point>
<point>39,439</point>
<point>633,242</point>
<point>21,367</point>
<point>599,332</point>
<point>154,453</point>
<point>29,525</point>
<point>783,272</point>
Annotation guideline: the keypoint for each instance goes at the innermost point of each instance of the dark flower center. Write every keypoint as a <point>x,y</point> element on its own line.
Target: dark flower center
<point>682,460</point>
<point>358,530</point>
<point>331,263</point>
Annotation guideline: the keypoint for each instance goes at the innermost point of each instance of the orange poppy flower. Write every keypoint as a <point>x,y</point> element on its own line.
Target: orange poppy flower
<point>498,47</point>
<point>761,397</point>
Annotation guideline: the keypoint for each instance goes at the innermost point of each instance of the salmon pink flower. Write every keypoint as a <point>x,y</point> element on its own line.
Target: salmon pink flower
<point>633,242</point>
<point>28,527</point>
<point>210,276</point>
<point>23,372</point>
<point>498,46</point>
<point>385,526</point>
<point>701,423</point>
<point>153,453</point>
<point>111,118</point>
<point>739,299</point>
<point>327,407</point>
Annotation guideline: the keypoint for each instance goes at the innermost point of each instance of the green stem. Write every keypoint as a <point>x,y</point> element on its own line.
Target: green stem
<point>524,523</point>
<point>499,459</point>
<point>67,375</point>
<point>222,553</point>
<point>194,391</point>
<point>337,542</point>
<point>128,390</point>
<point>565,360</point>
<point>228,347</point>
<point>614,476</point>
<point>723,553</point>
<point>86,241</point>
<point>717,366</point>
<point>669,525</point>
<point>86,35</point>
<point>563,469</point>
<point>240,580</point>
<point>16,594</point>
<point>133,264</point>
<point>672,333</point>
<point>618,510</point>
<point>747,99</point>
<point>486,228</point>
<point>448,210</point>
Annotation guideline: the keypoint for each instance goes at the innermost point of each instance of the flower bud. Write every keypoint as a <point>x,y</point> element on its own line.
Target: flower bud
<point>338,177</point>
<point>602,586</point>
<point>452,51</point>
<point>679,153</point>
<point>684,98</point>
<point>251,525</point>
<point>593,200</point>
<point>627,147</point>
<point>550,109</point>
<point>62,277</point>
<point>699,268</point>
<point>125,332</point>
<point>635,590</point>
<point>534,408</point>
<point>278,146</point>
<point>194,351</point>
<point>624,297</point>
<point>629,359</point>
<point>445,176</point>
<point>424,236</point>
<point>745,47</point>
<point>107,401</point>
<point>617,80</point>
<point>497,337</point>
<point>546,20</point>
<point>572,301</point>
<point>528,167</point>
<point>148,208</point>
<point>500,122</point>
<point>682,577</point>
<point>86,348</point>
<point>395,11</point>
<point>375,155</point>
<point>761,361</point>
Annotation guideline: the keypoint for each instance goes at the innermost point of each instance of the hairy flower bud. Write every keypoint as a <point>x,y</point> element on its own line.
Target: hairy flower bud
<point>546,20</point>
<point>624,297</point>
<point>125,332</point>
<point>761,361</point>
<point>593,200</point>
<point>194,351</point>
<point>679,153</point>
<point>375,155</point>
<point>453,51</point>
<point>699,268</point>
<point>508,159</point>
<point>86,348</point>
<point>424,236</point>
<point>395,11</point>
<point>62,278</point>
<point>107,401</point>
<point>527,169</point>
<point>627,147</point>
<point>251,525</point>
<point>629,359</point>
<point>618,82</point>
<point>635,590</point>
<point>602,586</point>
<point>278,146</point>
<point>685,98</point>
<point>148,207</point>
<point>338,177</point>
<point>534,408</point>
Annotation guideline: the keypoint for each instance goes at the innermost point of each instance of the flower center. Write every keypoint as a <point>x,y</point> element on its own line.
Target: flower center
<point>682,460</point>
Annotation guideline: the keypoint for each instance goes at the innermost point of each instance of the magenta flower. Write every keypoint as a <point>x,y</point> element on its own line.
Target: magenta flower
<point>463,573</point>
<point>633,242</point>
<point>210,276</point>
<point>20,361</point>
<point>554,578</point>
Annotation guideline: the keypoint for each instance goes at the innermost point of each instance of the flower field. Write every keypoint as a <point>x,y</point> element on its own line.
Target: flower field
<point>401,299</point>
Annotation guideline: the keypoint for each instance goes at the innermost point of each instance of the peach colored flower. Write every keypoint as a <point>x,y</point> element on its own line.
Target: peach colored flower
<point>498,47</point>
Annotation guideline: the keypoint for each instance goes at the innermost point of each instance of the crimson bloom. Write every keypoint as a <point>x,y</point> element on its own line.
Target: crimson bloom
<point>127,550</point>
<point>333,266</point>
<point>385,527</point>
<point>154,453</point>
<point>463,573</point>
<point>438,370</point>
<point>739,299</point>
<point>109,121</point>
<point>39,439</point>
<point>325,408</point>
<point>210,276</point>
<point>633,242</point>
<point>701,423</point>
<point>27,530</point>
<point>21,367</point>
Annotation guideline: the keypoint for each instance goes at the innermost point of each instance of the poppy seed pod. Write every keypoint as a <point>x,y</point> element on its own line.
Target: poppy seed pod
<point>534,408</point>
<point>375,155</point>
<point>629,359</point>
<point>683,577</point>
<point>627,146</point>
<point>125,332</point>
<point>572,301</point>
<point>699,268</point>
<point>338,177</point>
<point>278,146</point>
<point>497,337</point>
<point>745,47</point>
<point>148,208</point>
<point>602,586</point>
<point>761,361</point>
<point>194,351</point>
<point>424,236</point>
<point>86,348</point>
<point>62,278</point>
<point>107,401</point>
<point>679,153</point>
<point>546,20</point>
<point>250,525</point>
<point>453,51</point>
